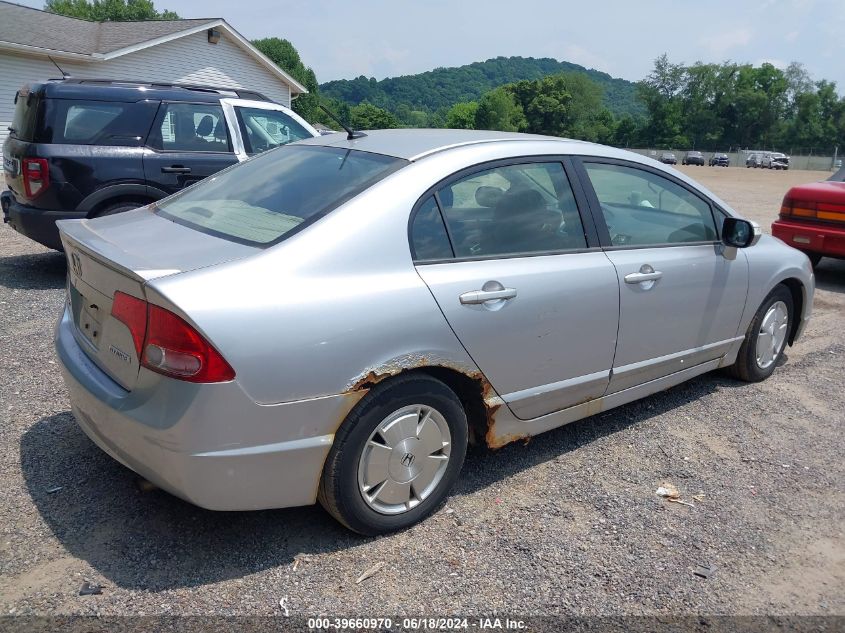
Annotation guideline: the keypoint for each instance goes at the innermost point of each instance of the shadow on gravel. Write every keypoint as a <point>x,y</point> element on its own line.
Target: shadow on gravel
<point>41,271</point>
<point>154,541</point>
<point>484,467</point>
<point>830,275</point>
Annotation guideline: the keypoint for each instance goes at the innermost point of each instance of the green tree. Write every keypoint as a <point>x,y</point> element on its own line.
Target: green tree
<point>498,110</point>
<point>461,116</point>
<point>282,53</point>
<point>366,116</point>
<point>109,10</point>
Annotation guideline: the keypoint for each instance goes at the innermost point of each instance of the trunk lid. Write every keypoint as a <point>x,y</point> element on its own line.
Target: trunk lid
<point>121,253</point>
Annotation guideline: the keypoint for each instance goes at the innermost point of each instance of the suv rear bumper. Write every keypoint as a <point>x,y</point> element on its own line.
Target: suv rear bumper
<point>36,224</point>
<point>821,239</point>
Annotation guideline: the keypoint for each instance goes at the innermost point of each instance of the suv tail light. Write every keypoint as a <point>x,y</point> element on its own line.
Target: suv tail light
<point>825,211</point>
<point>36,176</point>
<point>166,344</point>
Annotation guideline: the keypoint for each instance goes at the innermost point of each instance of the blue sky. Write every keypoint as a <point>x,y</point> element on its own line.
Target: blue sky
<point>384,38</point>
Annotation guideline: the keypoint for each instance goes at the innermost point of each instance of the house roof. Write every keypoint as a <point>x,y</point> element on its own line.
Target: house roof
<point>27,29</point>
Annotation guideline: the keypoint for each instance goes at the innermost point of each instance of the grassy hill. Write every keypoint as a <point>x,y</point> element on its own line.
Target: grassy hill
<point>443,87</point>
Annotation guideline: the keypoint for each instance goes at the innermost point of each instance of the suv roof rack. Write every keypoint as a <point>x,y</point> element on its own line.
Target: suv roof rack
<point>238,92</point>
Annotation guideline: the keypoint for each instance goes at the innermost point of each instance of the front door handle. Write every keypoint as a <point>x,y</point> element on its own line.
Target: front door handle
<point>474,297</point>
<point>638,278</point>
<point>176,169</point>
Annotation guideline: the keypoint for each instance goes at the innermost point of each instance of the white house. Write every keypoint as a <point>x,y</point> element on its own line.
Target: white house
<point>203,51</point>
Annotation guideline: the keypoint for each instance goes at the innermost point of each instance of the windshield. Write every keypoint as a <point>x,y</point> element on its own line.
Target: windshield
<point>267,198</point>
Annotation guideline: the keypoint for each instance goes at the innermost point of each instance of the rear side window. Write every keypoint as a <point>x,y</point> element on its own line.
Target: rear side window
<point>428,233</point>
<point>190,127</point>
<point>513,209</point>
<point>75,122</point>
<point>277,193</point>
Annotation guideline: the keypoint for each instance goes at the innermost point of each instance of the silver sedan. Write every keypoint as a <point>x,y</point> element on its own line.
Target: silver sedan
<point>337,319</point>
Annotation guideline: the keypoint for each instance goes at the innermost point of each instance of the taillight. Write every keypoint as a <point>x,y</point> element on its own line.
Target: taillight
<point>36,176</point>
<point>132,312</point>
<point>814,210</point>
<point>167,344</point>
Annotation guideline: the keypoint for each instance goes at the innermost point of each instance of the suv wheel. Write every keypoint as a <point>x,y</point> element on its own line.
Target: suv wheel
<point>117,207</point>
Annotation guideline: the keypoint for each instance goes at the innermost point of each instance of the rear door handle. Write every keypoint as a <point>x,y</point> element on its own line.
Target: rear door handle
<point>176,169</point>
<point>638,278</point>
<point>481,296</point>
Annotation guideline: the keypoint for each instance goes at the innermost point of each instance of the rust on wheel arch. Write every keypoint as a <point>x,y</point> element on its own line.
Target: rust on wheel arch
<point>483,422</point>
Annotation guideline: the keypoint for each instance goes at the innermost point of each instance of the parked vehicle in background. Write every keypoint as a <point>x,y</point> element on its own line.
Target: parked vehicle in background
<point>719,160</point>
<point>81,148</point>
<point>812,218</point>
<point>775,160</point>
<point>668,158</point>
<point>693,158</point>
<point>754,160</point>
<point>335,319</point>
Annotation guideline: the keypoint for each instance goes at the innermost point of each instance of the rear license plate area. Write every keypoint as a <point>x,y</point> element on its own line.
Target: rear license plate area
<point>90,323</point>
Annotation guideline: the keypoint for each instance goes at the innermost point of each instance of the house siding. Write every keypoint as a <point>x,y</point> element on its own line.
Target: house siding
<point>189,59</point>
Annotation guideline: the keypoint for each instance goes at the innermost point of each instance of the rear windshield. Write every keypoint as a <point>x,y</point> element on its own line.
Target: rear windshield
<point>24,119</point>
<point>271,196</point>
<point>75,122</point>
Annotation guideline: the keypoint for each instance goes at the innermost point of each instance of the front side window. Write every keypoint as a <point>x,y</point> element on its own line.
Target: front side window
<point>642,208</point>
<point>265,129</point>
<point>264,199</point>
<point>190,127</point>
<point>513,209</point>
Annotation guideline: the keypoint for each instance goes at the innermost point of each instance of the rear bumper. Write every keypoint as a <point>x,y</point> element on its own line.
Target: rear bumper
<point>36,224</point>
<point>810,238</point>
<point>208,444</point>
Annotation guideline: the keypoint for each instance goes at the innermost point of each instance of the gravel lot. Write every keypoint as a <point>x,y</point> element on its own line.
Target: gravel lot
<point>568,523</point>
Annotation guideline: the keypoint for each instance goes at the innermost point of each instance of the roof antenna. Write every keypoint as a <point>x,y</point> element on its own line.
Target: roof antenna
<point>64,74</point>
<point>350,133</point>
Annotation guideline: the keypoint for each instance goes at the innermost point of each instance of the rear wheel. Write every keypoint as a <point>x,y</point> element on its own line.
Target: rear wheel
<point>396,456</point>
<point>766,337</point>
<point>118,207</point>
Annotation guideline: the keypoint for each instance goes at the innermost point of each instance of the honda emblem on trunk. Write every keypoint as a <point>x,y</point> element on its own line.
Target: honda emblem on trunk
<point>76,264</point>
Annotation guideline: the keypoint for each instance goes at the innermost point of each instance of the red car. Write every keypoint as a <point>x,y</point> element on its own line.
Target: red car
<point>812,218</point>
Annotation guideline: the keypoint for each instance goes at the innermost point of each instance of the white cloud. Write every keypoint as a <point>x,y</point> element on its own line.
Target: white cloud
<point>577,54</point>
<point>721,43</point>
<point>777,63</point>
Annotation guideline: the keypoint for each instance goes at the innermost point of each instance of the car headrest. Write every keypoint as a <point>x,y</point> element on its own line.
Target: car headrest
<point>488,196</point>
<point>206,126</point>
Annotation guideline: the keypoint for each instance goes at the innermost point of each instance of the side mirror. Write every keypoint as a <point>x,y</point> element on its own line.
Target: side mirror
<point>740,233</point>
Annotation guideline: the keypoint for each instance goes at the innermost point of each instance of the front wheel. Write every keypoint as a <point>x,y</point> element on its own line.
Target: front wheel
<point>396,456</point>
<point>766,337</point>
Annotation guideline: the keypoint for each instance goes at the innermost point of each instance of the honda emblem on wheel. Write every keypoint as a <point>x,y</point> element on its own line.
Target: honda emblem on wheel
<point>407,460</point>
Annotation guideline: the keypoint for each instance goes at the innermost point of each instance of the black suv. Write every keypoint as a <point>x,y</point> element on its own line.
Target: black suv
<point>86,148</point>
<point>693,158</point>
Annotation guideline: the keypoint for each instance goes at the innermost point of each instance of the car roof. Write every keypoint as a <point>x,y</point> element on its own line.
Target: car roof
<point>413,144</point>
<point>127,90</point>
